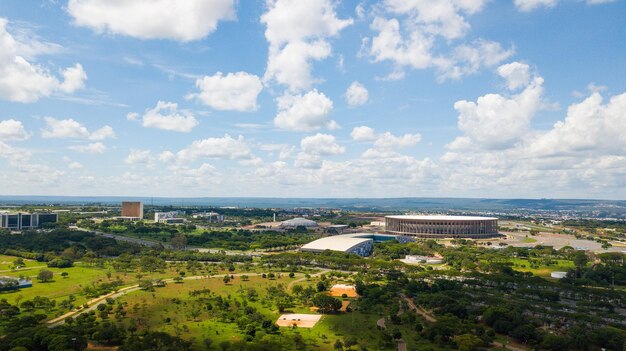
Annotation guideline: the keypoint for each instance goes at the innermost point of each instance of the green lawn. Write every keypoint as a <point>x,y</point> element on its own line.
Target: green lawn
<point>523,265</point>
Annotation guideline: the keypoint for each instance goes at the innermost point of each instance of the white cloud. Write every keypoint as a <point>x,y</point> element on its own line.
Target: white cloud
<point>419,33</point>
<point>441,17</point>
<point>516,74</point>
<point>23,81</point>
<point>235,91</point>
<point>11,129</point>
<point>590,126</point>
<point>74,165</point>
<point>297,32</point>
<point>321,145</point>
<point>93,148</point>
<point>390,141</point>
<point>219,148</point>
<point>152,19</point>
<point>356,94</point>
<point>136,156</point>
<point>72,129</point>
<point>468,59</point>
<point>73,79</point>
<point>167,156</point>
<point>166,116</point>
<point>363,133</point>
<point>306,112</point>
<point>529,5</point>
<point>102,133</point>
<point>495,121</point>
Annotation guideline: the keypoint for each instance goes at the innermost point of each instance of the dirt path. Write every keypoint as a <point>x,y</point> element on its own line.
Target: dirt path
<point>418,309</point>
<point>381,323</point>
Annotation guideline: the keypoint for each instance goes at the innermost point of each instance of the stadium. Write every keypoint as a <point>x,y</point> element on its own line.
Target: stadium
<point>442,226</point>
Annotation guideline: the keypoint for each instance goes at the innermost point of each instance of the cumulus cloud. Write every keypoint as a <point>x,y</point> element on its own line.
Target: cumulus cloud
<point>417,30</point>
<point>497,121</point>
<point>306,112</point>
<point>529,5</point>
<point>136,156</point>
<point>590,126</point>
<point>356,94</point>
<point>152,19</point>
<point>23,81</point>
<point>322,145</point>
<point>234,92</point>
<point>225,147</point>
<point>363,133</point>
<point>385,140</point>
<point>72,129</point>
<point>11,129</point>
<point>93,148</point>
<point>310,23</point>
<point>516,74</point>
<point>166,116</point>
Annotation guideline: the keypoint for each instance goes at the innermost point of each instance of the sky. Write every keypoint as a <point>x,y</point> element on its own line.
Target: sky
<point>313,98</point>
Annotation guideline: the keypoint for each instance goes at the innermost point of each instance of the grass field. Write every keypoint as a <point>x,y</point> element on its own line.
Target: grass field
<point>171,309</point>
<point>524,265</point>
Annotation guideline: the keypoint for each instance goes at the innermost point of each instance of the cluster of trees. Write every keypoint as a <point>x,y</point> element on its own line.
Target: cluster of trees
<point>248,240</point>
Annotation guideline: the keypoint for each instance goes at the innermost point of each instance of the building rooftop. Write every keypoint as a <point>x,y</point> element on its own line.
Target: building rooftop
<point>442,218</point>
<point>298,222</point>
<point>344,242</point>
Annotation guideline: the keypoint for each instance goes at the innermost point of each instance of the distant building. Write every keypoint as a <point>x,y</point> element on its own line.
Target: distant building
<point>168,217</point>
<point>442,226</point>
<point>213,217</point>
<point>298,222</point>
<point>132,210</point>
<point>20,220</point>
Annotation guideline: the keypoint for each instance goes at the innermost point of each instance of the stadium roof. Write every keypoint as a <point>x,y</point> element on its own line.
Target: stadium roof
<point>334,243</point>
<point>442,218</point>
<point>298,222</point>
<point>343,242</point>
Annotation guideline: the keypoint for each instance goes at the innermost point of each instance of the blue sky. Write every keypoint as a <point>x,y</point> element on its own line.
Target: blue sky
<point>313,98</point>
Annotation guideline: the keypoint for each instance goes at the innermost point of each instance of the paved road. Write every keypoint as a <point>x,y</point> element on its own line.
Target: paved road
<point>150,243</point>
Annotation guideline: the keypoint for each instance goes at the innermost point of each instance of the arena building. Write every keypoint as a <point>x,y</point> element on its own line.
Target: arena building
<point>442,226</point>
<point>298,222</point>
<point>361,244</point>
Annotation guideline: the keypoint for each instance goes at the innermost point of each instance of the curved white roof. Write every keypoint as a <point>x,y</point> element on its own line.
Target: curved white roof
<point>342,242</point>
<point>442,218</point>
<point>334,243</point>
<point>298,222</point>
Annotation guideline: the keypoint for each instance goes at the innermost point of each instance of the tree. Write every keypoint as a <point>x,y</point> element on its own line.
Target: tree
<point>178,279</point>
<point>146,285</point>
<point>244,278</point>
<point>65,274</point>
<point>19,262</point>
<point>226,279</point>
<point>322,286</point>
<point>326,304</point>
<point>468,342</point>
<point>45,275</point>
<point>349,342</point>
<point>580,259</point>
<point>179,241</point>
<point>338,345</point>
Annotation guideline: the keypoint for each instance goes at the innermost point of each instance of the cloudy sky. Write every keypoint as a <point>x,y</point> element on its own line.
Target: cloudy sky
<point>313,98</point>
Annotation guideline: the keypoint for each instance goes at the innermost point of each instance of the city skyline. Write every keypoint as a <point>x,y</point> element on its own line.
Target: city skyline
<point>285,98</point>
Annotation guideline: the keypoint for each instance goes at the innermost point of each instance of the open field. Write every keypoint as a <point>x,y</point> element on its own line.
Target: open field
<point>300,320</point>
<point>338,290</point>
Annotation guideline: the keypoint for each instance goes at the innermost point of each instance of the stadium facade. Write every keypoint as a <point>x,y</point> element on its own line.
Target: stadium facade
<point>442,226</point>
